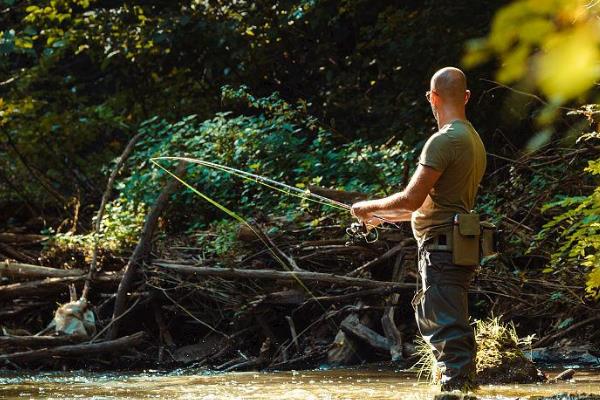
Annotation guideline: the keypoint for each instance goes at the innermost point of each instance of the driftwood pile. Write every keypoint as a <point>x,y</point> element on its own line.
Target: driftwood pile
<point>330,302</point>
<point>297,298</point>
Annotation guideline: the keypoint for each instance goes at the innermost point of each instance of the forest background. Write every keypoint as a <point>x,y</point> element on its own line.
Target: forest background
<point>308,92</point>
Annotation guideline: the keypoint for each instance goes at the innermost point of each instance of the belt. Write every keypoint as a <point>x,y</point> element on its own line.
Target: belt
<point>440,242</point>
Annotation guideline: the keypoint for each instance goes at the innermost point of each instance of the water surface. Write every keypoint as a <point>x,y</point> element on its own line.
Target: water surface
<point>328,384</point>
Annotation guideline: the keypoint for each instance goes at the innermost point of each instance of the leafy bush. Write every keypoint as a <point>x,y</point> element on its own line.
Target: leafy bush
<point>577,228</point>
<point>272,138</point>
<point>120,229</point>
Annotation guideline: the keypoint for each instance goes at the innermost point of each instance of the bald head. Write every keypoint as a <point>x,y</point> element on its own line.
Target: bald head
<point>450,84</point>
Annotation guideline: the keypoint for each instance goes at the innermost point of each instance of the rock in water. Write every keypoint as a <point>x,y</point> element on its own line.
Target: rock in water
<point>452,396</point>
<point>499,358</point>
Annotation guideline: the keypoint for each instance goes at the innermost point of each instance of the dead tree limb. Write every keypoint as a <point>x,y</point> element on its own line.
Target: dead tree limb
<point>351,325</point>
<point>76,350</point>
<point>100,214</point>
<point>388,323</point>
<point>21,238</point>
<point>28,271</point>
<point>37,341</point>
<point>287,260</point>
<point>142,249</point>
<point>10,251</point>
<point>550,338</point>
<point>51,286</point>
<point>269,274</point>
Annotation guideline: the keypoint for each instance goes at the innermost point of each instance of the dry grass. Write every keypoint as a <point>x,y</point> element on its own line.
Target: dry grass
<point>498,345</point>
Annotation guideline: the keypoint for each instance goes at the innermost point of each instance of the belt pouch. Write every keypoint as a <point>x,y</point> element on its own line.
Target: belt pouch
<point>465,239</point>
<point>489,244</point>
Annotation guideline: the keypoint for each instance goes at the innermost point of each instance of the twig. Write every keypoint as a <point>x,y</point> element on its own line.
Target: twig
<point>293,332</point>
<point>401,247</point>
<point>100,214</point>
<point>92,340</point>
<point>550,338</point>
<point>521,92</point>
<point>190,314</point>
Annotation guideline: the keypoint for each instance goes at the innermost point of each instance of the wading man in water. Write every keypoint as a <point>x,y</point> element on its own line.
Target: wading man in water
<point>445,183</point>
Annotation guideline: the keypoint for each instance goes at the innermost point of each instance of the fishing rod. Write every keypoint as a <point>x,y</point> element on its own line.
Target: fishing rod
<point>361,230</point>
<point>282,187</point>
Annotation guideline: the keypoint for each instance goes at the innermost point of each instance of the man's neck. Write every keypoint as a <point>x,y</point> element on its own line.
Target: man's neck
<point>451,115</point>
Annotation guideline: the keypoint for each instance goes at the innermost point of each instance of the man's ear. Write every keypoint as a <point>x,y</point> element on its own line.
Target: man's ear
<point>467,95</point>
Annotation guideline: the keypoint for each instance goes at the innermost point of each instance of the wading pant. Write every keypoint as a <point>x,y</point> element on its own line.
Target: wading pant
<point>442,312</point>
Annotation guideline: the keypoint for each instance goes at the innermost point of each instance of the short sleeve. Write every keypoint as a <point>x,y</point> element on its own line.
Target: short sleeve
<point>438,152</point>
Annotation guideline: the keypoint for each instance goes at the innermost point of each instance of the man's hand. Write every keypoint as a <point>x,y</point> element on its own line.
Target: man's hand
<point>363,210</point>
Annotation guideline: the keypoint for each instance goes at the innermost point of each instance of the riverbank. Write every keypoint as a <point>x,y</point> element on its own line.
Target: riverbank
<point>275,291</point>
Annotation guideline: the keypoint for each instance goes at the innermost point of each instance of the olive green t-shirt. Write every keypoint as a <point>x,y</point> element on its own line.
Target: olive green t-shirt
<point>456,150</point>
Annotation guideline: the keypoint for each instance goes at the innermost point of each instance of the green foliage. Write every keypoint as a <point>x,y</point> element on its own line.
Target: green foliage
<point>274,139</point>
<point>220,239</point>
<point>119,230</point>
<point>551,45</point>
<point>576,229</point>
<point>78,76</point>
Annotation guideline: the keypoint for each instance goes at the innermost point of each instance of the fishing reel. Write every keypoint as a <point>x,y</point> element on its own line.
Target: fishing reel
<point>359,233</point>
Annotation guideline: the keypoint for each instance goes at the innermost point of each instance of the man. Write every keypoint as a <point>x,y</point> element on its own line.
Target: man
<point>445,183</point>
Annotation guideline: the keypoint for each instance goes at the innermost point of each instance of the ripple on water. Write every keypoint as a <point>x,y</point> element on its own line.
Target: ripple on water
<point>319,384</point>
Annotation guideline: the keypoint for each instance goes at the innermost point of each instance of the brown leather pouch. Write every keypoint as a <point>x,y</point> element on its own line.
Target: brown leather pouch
<point>465,239</point>
<point>488,239</point>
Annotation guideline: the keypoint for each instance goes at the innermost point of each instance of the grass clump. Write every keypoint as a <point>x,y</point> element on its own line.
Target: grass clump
<point>500,357</point>
<point>426,367</point>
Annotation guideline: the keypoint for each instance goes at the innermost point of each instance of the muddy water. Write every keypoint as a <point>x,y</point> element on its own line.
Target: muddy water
<point>332,384</point>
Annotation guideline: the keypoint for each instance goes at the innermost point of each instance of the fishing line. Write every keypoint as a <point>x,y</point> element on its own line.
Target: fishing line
<point>268,182</point>
<point>243,221</point>
<point>353,231</point>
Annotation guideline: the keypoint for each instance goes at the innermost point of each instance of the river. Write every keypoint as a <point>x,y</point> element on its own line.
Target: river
<point>319,384</point>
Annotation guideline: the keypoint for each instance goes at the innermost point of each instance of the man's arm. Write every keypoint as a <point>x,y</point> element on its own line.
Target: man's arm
<point>400,204</point>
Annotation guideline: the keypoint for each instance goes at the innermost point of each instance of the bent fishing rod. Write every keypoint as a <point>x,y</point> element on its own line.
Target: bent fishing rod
<point>355,230</point>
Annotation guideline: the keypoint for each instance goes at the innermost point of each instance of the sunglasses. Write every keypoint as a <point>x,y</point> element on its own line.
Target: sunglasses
<point>428,94</point>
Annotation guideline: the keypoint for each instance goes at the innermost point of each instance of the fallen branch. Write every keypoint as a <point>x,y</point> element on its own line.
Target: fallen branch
<point>385,256</point>
<point>12,238</point>
<point>351,325</point>
<point>18,270</point>
<point>304,276</point>
<point>11,252</point>
<point>550,338</point>
<point>142,249</point>
<point>51,285</point>
<point>280,256</point>
<point>76,350</point>
<point>37,341</point>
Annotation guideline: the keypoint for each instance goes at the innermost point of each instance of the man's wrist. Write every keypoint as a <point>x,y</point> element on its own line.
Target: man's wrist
<point>373,206</point>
